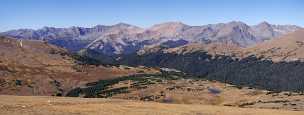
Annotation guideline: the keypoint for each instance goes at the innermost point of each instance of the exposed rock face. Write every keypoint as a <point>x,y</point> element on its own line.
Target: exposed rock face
<point>126,39</point>
<point>73,38</point>
<point>266,31</point>
<point>235,33</point>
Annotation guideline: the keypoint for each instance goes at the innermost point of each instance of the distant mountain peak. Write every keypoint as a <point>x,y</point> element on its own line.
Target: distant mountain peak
<point>173,23</point>
<point>264,24</point>
<point>125,25</point>
<point>123,37</point>
<point>168,27</point>
<point>122,24</point>
<point>237,23</point>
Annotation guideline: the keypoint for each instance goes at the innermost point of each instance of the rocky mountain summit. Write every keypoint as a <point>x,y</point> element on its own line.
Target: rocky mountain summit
<point>126,39</point>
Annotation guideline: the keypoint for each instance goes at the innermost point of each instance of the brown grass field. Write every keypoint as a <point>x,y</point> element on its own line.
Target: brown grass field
<point>30,105</point>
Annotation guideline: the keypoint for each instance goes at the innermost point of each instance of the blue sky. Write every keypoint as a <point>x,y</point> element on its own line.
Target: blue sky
<point>144,13</point>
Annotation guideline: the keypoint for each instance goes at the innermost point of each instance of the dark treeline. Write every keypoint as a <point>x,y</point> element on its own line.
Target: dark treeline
<point>101,88</point>
<point>250,71</point>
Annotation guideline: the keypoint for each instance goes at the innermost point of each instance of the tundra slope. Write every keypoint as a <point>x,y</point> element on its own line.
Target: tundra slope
<point>30,67</point>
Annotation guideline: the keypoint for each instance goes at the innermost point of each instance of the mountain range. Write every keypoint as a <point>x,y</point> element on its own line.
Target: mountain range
<point>262,56</point>
<point>128,62</point>
<point>127,39</point>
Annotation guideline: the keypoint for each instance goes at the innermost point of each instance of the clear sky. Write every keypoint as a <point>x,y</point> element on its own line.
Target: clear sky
<point>35,14</point>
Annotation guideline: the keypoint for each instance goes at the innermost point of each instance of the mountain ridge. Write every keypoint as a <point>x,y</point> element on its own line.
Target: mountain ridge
<point>124,38</point>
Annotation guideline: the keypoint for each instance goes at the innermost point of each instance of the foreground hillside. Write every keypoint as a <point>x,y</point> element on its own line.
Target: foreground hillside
<point>38,68</point>
<point>16,105</point>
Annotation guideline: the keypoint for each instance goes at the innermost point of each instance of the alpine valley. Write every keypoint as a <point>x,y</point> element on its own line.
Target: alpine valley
<point>216,65</point>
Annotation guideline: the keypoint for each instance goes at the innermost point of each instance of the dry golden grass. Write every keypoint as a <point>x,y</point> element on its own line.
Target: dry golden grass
<point>29,105</point>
